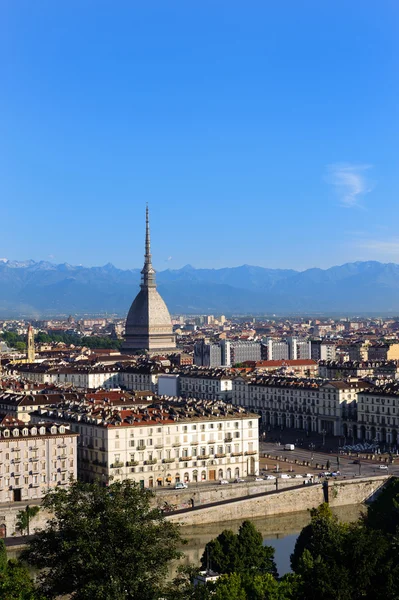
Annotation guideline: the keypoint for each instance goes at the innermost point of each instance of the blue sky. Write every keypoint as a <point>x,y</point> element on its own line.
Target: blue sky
<point>259,132</point>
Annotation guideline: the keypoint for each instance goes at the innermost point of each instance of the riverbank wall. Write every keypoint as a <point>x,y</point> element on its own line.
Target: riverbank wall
<point>291,500</point>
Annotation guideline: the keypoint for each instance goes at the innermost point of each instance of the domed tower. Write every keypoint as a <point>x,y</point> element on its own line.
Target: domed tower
<point>148,323</point>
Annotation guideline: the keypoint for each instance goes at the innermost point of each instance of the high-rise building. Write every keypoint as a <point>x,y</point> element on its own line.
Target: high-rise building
<point>207,355</point>
<point>299,349</point>
<point>30,344</point>
<point>277,349</point>
<point>239,351</point>
<point>148,324</point>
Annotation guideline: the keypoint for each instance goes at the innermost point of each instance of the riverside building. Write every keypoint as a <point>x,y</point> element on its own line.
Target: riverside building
<point>35,458</point>
<point>170,441</point>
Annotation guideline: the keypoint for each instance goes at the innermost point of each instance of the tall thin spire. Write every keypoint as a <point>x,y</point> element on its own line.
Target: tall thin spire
<point>148,271</point>
<point>147,236</point>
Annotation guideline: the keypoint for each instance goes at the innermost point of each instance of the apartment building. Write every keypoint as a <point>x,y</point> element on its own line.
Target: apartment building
<point>140,377</point>
<point>207,354</point>
<point>206,383</point>
<point>313,405</point>
<point>378,414</point>
<point>342,370</point>
<point>35,458</point>
<point>81,377</point>
<point>167,442</point>
<point>277,349</point>
<point>239,351</point>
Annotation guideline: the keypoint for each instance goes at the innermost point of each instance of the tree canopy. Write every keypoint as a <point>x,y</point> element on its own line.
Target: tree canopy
<point>239,553</point>
<point>15,582</point>
<point>104,543</point>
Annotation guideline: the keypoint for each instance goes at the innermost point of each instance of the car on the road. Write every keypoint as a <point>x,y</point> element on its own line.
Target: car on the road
<point>258,478</point>
<point>284,476</point>
<point>298,476</point>
<point>239,480</point>
<point>385,467</point>
<point>269,477</point>
<point>356,462</point>
<point>289,447</point>
<point>180,485</point>
<point>309,475</point>
<point>223,482</point>
<point>325,474</point>
<point>335,473</point>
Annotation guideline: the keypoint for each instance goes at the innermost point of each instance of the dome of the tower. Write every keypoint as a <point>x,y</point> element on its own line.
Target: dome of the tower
<point>148,323</point>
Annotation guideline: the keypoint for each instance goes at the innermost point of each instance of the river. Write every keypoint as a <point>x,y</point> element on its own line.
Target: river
<point>279,531</point>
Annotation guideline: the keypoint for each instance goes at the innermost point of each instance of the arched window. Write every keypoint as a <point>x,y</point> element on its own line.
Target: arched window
<point>15,432</point>
<point>42,430</point>
<point>33,431</point>
<point>203,476</point>
<point>186,477</point>
<point>220,474</point>
<point>25,431</point>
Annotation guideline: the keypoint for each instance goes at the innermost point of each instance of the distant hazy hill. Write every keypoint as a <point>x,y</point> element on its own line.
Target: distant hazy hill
<point>41,288</point>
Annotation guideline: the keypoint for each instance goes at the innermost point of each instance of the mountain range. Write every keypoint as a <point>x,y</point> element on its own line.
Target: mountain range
<point>44,289</point>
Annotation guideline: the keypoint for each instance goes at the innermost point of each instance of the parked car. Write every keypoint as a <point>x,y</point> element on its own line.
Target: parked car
<point>223,482</point>
<point>258,478</point>
<point>269,477</point>
<point>239,480</point>
<point>284,476</point>
<point>385,467</point>
<point>298,476</point>
<point>335,473</point>
<point>180,485</point>
<point>325,474</point>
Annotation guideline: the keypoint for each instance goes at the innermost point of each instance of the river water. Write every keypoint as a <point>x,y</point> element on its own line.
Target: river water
<point>279,531</point>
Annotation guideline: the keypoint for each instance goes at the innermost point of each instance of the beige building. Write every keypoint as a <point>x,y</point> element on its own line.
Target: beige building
<point>378,414</point>
<point>206,383</point>
<point>312,405</point>
<point>35,458</point>
<point>166,443</point>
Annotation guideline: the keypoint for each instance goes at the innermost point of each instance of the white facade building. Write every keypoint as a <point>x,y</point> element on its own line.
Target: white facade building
<point>309,404</point>
<point>189,441</point>
<point>35,458</point>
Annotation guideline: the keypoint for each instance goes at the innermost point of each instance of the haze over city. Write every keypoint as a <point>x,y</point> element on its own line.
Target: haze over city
<point>262,134</point>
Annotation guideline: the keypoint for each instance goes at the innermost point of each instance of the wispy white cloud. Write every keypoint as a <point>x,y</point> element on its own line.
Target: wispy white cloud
<point>350,183</point>
<point>387,247</point>
<point>168,259</point>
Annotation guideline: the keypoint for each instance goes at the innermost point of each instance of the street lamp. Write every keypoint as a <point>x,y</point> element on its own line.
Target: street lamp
<point>324,436</point>
<point>311,448</point>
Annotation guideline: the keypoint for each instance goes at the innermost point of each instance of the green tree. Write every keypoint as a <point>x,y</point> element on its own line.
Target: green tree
<point>103,543</point>
<point>322,537</point>
<point>20,346</point>
<point>239,553</point>
<point>24,518</point>
<point>383,513</point>
<point>15,582</point>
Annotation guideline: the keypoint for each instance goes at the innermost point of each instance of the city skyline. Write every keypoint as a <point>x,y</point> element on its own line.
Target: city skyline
<point>264,136</point>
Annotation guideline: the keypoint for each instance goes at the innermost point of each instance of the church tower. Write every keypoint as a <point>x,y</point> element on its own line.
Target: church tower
<point>148,324</point>
<point>30,344</point>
